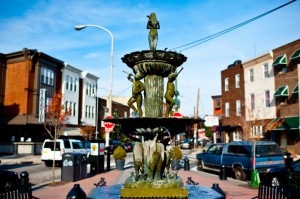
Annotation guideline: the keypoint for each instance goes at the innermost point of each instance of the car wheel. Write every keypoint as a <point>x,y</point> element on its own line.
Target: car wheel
<point>274,181</point>
<point>239,174</point>
<point>199,165</point>
<point>48,163</point>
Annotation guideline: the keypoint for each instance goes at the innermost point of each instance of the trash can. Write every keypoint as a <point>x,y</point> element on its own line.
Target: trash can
<point>74,167</point>
<point>97,157</point>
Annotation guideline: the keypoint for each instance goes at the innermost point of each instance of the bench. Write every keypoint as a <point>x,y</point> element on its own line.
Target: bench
<point>277,192</point>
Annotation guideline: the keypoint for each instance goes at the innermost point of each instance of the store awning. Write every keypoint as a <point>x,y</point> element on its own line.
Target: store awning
<point>282,91</point>
<point>280,60</point>
<point>295,90</point>
<point>295,55</point>
<point>69,131</point>
<point>290,123</point>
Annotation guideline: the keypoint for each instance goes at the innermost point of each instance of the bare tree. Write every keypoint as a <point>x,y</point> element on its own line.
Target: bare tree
<point>56,117</point>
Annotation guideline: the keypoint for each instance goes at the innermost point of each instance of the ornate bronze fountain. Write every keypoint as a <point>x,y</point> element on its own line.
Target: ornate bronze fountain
<point>152,177</point>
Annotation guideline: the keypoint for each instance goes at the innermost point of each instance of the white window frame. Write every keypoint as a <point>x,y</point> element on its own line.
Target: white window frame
<point>266,70</point>
<point>226,84</point>
<point>267,99</point>
<point>238,107</point>
<point>227,112</point>
<point>252,100</point>
<point>251,75</point>
<point>237,81</point>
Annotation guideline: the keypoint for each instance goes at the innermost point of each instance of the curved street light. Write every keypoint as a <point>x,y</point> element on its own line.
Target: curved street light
<point>109,104</point>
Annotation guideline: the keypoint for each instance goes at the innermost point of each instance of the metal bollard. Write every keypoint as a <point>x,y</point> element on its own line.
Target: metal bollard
<point>76,193</point>
<point>223,173</point>
<point>186,164</point>
<point>108,158</point>
<point>24,179</point>
<point>219,190</point>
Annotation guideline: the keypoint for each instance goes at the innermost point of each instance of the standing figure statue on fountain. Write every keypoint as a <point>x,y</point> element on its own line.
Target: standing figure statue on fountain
<point>153,25</point>
<point>137,97</point>
<point>170,92</point>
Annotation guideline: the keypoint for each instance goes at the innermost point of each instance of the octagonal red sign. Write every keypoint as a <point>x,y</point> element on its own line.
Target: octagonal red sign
<point>177,114</point>
<point>108,125</point>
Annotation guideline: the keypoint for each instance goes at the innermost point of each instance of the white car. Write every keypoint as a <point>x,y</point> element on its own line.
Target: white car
<point>62,146</point>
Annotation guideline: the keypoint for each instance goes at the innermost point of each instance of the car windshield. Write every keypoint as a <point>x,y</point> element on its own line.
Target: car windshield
<point>78,145</point>
<point>50,145</point>
<point>267,150</point>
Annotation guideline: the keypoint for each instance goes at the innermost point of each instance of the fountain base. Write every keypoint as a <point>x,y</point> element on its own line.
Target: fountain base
<point>154,192</point>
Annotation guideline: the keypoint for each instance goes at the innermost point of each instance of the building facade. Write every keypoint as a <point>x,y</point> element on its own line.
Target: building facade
<point>28,71</point>
<point>233,95</point>
<point>286,70</point>
<point>2,81</point>
<point>26,77</point>
<point>260,106</point>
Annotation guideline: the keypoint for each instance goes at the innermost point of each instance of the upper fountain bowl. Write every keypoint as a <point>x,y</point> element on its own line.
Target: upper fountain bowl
<point>158,62</point>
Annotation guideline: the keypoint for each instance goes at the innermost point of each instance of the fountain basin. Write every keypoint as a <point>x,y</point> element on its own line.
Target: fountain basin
<point>149,126</point>
<point>113,192</point>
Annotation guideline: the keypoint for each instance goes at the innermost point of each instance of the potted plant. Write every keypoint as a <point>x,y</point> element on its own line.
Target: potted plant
<point>119,154</point>
<point>175,155</point>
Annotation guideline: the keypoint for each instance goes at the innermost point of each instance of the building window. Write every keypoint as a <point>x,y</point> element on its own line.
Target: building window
<point>267,98</point>
<point>237,81</point>
<point>47,76</point>
<point>238,107</point>
<point>226,84</point>
<point>71,83</point>
<point>86,111</point>
<point>75,85</point>
<point>251,75</point>
<point>218,103</point>
<point>227,109</point>
<point>266,70</point>
<point>252,98</point>
<point>67,82</point>
<point>66,106</point>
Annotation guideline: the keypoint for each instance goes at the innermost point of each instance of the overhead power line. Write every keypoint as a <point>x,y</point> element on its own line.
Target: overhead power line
<point>208,38</point>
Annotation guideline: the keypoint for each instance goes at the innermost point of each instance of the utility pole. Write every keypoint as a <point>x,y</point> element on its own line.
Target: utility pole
<point>196,124</point>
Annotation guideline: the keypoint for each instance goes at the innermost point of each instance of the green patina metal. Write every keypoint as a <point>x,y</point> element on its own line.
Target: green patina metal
<point>151,67</point>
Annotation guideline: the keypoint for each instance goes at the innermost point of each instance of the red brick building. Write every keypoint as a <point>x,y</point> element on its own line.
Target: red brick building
<point>286,65</point>
<point>232,96</point>
<point>27,72</point>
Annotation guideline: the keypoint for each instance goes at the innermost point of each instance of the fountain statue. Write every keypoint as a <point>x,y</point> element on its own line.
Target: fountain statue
<point>153,133</point>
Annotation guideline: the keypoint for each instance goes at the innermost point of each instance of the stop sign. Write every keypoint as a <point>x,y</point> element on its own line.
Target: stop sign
<point>177,114</point>
<point>108,125</point>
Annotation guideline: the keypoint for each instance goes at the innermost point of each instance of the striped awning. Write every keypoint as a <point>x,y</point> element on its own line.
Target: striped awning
<point>280,60</point>
<point>282,91</point>
<point>295,90</point>
<point>296,54</point>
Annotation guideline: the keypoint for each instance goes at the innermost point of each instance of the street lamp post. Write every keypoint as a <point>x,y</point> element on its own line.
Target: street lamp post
<point>109,101</point>
<point>80,27</point>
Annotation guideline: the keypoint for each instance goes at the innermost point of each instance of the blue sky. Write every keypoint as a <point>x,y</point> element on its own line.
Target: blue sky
<point>48,26</point>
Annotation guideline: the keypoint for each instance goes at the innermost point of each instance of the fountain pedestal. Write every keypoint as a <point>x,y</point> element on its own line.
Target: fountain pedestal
<point>154,192</point>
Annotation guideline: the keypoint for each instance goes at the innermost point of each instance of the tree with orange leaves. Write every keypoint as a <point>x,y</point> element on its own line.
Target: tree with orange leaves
<point>56,117</point>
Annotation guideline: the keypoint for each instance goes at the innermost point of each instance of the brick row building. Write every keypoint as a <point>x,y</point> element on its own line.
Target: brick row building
<point>24,76</point>
<point>260,98</point>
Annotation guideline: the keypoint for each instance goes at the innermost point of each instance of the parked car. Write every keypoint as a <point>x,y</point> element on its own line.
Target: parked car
<point>128,146</point>
<point>288,159</point>
<point>284,176</point>
<point>114,144</point>
<point>62,146</point>
<point>238,156</point>
<point>186,144</point>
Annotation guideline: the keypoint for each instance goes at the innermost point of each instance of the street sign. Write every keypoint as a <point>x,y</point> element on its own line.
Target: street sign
<point>108,125</point>
<point>177,114</point>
